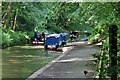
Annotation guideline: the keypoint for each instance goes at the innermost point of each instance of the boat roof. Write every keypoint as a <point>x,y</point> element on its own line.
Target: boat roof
<point>53,35</point>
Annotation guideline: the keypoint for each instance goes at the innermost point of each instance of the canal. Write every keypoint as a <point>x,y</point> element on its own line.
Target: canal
<point>22,61</point>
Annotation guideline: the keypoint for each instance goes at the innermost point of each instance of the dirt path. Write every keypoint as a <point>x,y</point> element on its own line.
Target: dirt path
<point>73,64</point>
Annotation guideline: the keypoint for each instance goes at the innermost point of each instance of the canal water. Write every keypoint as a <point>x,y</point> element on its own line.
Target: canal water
<point>21,62</point>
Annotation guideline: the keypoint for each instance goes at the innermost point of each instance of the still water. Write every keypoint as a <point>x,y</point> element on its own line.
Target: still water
<point>21,62</point>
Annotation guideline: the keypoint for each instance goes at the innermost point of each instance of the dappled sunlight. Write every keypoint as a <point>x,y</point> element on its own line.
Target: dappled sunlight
<point>77,59</point>
<point>64,49</point>
<point>27,60</point>
<point>24,56</point>
<point>30,47</point>
<point>15,61</point>
<point>12,60</point>
<point>77,43</point>
<point>17,51</point>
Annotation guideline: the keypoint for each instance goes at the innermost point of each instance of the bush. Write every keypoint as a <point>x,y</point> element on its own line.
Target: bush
<point>11,38</point>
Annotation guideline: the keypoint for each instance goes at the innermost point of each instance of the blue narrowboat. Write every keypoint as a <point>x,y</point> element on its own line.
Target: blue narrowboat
<point>53,41</point>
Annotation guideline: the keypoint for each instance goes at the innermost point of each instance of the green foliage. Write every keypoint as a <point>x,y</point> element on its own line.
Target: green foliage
<point>10,37</point>
<point>100,33</point>
<point>103,61</point>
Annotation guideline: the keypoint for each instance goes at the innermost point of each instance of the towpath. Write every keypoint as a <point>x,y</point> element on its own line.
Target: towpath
<point>72,64</point>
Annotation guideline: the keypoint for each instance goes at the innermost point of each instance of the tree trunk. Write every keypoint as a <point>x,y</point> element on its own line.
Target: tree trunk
<point>14,25</point>
<point>5,11</point>
<point>8,15</point>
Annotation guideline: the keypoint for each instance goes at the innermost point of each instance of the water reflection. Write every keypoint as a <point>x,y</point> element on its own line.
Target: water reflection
<point>21,62</point>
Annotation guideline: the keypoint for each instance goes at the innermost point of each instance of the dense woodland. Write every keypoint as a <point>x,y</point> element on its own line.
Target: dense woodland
<point>21,19</point>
